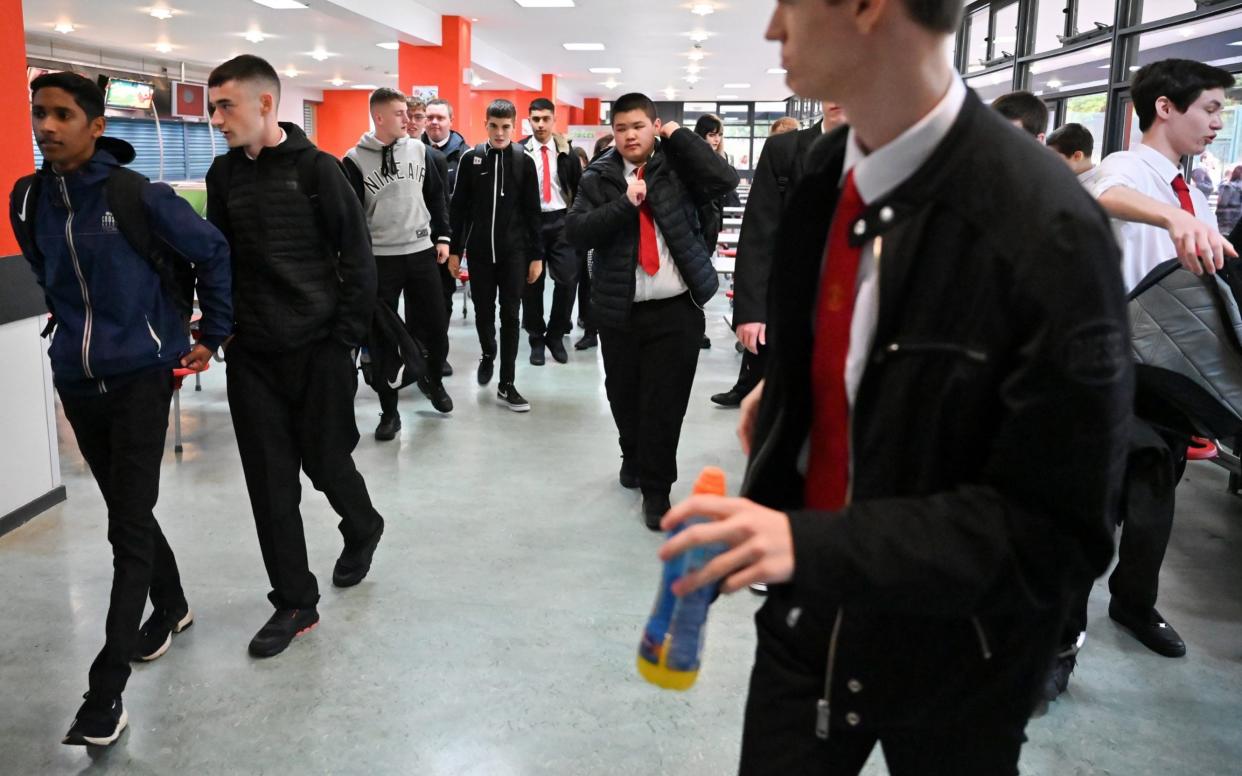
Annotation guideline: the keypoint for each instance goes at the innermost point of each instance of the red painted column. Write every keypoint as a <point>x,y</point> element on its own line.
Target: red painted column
<point>344,116</point>
<point>591,110</point>
<point>443,67</point>
<point>16,155</point>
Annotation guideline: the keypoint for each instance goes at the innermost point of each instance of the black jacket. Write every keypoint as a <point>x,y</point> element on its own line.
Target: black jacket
<point>437,158</point>
<point>491,184</point>
<point>780,168</point>
<point>453,151</point>
<point>302,263</point>
<point>988,435</point>
<point>683,176</point>
<point>568,166</point>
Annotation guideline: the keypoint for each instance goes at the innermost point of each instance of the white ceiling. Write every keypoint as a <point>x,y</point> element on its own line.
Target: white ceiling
<point>511,44</point>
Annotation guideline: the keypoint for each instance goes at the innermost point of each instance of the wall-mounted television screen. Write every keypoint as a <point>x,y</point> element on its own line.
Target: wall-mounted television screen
<point>133,95</point>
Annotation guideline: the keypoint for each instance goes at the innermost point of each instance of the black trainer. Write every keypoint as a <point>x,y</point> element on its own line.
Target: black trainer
<point>97,724</point>
<point>389,425</point>
<point>588,341</point>
<point>655,506</point>
<point>354,563</point>
<point>446,369</point>
<point>487,366</point>
<point>537,357</point>
<point>706,344</point>
<point>281,629</point>
<point>155,635</point>
<point>508,396</point>
<point>629,475</point>
<point>1150,628</point>
<point>437,395</point>
<point>730,398</point>
<point>556,346</point>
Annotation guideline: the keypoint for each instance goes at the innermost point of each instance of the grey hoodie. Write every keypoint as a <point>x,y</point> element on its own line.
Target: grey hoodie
<point>402,195</point>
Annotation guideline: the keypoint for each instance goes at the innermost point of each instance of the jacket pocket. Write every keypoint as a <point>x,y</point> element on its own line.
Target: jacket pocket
<point>900,349</point>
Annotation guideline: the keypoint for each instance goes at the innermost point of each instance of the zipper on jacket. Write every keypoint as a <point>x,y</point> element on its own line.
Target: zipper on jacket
<point>984,648</point>
<point>495,198</point>
<point>823,707</point>
<point>898,348</point>
<point>89,322</point>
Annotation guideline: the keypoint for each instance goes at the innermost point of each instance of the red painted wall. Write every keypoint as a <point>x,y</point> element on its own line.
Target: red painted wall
<point>16,156</point>
<point>344,117</point>
<point>442,66</point>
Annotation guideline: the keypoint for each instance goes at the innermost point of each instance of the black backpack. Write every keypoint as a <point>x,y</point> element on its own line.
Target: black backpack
<point>123,193</point>
<point>518,177</point>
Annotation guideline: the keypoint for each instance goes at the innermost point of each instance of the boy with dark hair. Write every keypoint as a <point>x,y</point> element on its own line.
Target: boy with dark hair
<point>559,172</point>
<point>638,207</point>
<point>1075,144</point>
<point>111,252</point>
<point>1025,111</point>
<point>403,195</point>
<point>304,296</point>
<point>924,520</point>
<point>495,220</point>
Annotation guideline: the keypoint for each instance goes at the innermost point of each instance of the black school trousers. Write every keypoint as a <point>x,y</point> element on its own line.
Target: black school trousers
<point>293,411</point>
<point>649,370</point>
<point>560,261</point>
<point>121,434</point>
<point>416,276</point>
<point>504,279</point>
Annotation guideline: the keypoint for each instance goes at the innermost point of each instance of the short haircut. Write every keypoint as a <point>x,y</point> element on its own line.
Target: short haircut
<point>246,68</point>
<point>708,124</point>
<point>85,92</point>
<point>1026,109</point>
<point>385,94</point>
<point>635,101</point>
<point>602,143</point>
<point>941,16</point>
<point>1070,138</point>
<point>447,105</point>
<point>1236,175</point>
<point>414,103</point>
<point>784,124</point>
<point>542,104</point>
<point>1181,80</point>
<point>501,109</point>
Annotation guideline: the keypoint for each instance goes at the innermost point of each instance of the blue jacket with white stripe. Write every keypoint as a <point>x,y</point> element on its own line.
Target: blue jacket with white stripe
<point>114,318</point>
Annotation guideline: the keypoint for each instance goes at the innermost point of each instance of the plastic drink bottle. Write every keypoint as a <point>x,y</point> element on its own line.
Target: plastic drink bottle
<point>672,644</point>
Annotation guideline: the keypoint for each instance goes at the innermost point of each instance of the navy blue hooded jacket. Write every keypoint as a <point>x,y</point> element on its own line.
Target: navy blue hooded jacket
<point>114,318</point>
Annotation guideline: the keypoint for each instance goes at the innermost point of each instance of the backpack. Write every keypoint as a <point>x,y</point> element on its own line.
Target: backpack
<point>123,193</point>
<point>481,150</point>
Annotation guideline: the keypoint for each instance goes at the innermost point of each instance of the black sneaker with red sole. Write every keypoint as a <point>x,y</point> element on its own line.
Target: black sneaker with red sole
<point>281,629</point>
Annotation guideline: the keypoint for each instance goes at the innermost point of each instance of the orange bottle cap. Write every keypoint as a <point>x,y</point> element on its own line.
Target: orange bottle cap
<point>711,482</point>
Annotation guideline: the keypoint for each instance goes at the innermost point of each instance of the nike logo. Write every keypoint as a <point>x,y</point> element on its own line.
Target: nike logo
<point>22,215</point>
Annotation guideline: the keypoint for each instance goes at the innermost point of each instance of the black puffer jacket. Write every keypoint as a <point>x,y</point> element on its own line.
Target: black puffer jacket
<point>302,263</point>
<point>684,174</point>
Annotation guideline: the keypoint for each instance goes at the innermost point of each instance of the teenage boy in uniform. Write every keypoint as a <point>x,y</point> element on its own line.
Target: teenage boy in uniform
<point>1075,145</point>
<point>938,445</point>
<point>303,298</point>
<point>120,331</point>
<point>445,140</point>
<point>559,172</point>
<point>495,220</point>
<point>638,207</point>
<point>403,195</point>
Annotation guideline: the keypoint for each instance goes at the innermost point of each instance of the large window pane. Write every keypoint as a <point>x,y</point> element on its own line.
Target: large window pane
<point>1049,24</point>
<point>977,39</point>
<point>1006,41</point>
<point>1084,69</point>
<point>1088,110</point>
<point>1093,13</point>
<point>692,110</point>
<point>738,149</point>
<point>1154,10</point>
<point>992,85</point>
<point>1206,40</point>
<point>765,114</point>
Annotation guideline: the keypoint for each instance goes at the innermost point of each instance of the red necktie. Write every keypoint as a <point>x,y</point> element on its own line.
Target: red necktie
<point>547,177</point>
<point>828,472</point>
<point>1183,194</point>
<point>648,247</point>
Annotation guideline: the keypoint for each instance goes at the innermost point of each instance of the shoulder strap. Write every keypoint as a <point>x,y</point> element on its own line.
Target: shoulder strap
<point>22,212</point>
<point>123,192</point>
<point>308,178</point>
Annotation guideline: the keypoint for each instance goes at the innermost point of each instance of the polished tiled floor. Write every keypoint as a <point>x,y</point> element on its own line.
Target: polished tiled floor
<point>496,633</point>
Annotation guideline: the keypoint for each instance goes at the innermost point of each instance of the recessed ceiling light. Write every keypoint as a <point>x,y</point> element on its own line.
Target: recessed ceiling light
<point>696,56</point>
<point>254,36</point>
<point>319,54</point>
<point>702,9</point>
<point>737,86</point>
<point>389,45</point>
<point>291,72</point>
<point>777,71</point>
<point>605,70</point>
<point>282,5</point>
<point>583,46</point>
<point>163,47</point>
<point>693,69</point>
<point>372,87</point>
<point>611,83</point>
<point>337,82</point>
<point>64,28</point>
<point>692,79</point>
<point>161,12</point>
<point>1054,84</point>
<point>698,36</point>
<point>545,3</point>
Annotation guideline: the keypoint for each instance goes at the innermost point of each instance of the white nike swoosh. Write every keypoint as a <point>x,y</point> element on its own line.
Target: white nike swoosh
<point>22,215</point>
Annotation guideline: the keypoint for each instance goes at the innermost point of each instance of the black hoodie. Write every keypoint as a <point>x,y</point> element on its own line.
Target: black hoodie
<point>302,263</point>
<point>495,208</point>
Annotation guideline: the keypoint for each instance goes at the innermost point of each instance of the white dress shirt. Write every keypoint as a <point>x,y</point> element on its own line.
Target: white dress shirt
<point>876,175</point>
<point>558,200</point>
<point>1149,172</point>
<point>1087,178</point>
<point>667,282</point>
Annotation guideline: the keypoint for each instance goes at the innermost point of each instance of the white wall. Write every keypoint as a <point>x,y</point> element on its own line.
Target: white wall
<point>291,98</point>
<point>29,457</point>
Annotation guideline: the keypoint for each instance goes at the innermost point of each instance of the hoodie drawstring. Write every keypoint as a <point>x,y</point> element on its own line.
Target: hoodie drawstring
<point>388,160</point>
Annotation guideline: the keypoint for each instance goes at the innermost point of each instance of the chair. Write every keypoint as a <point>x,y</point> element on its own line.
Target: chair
<point>179,374</point>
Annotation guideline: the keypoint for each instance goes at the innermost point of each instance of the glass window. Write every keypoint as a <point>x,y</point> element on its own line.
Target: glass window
<point>765,114</point>
<point>1088,110</point>
<point>692,110</point>
<point>1154,10</point>
<point>1085,69</point>
<point>977,39</point>
<point>992,85</point>
<point>1094,13</point>
<point>1005,44</point>
<point>1211,40</point>
<point>738,150</point>
<point>1049,24</point>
